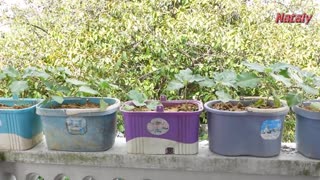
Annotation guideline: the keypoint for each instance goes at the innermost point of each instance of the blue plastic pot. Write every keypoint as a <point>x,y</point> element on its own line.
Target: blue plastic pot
<point>79,129</point>
<point>20,129</point>
<point>254,132</point>
<point>307,131</point>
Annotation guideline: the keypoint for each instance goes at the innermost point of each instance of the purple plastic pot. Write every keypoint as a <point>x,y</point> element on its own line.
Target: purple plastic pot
<point>159,132</point>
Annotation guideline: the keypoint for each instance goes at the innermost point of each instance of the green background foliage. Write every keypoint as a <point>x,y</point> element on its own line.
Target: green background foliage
<point>141,44</point>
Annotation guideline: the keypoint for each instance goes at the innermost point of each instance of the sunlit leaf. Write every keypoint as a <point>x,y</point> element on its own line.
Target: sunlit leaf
<point>87,89</point>
<point>248,79</point>
<point>58,99</point>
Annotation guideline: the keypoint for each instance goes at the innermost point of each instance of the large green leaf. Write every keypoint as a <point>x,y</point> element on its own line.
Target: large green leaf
<point>293,98</point>
<point>282,79</point>
<point>223,96</point>
<point>103,105</point>
<point>226,78</point>
<point>254,66</point>
<point>87,89</point>
<point>248,79</point>
<point>153,105</point>
<point>75,82</point>
<point>207,82</point>
<point>185,76</point>
<point>33,72</point>
<point>137,98</point>
<point>295,76</point>
<point>58,99</point>
<point>308,89</point>
<point>2,76</point>
<point>175,85</point>
<point>16,87</point>
<point>279,66</point>
<point>11,72</point>
<point>197,78</point>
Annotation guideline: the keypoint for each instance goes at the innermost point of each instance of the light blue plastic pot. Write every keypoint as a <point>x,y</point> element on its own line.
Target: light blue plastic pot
<point>20,129</point>
<point>79,129</point>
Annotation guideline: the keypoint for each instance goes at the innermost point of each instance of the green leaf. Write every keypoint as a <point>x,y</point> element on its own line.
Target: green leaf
<point>293,98</point>
<point>315,106</point>
<point>260,102</point>
<point>75,82</point>
<point>104,84</point>
<point>282,79</point>
<point>33,72</point>
<point>174,85</point>
<point>11,72</point>
<point>316,81</point>
<point>197,78</point>
<point>227,78</point>
<point>153,105</point>
<point>279,66</point>
<point>103,105</point>
<point>58,99</point>
<point>247,79</point>
<point>137,98</point>
<point>254,66</point>
<point>207,83</point>
<point>294,75</point>
<point>276,102</point>
<point>16,87</point>
<point>87,89</point>
<point>63,89</point>
<point>308,89</point>
<point>2,76</point>
<point>128,107</point>
<point>223,96</point>
<point>284,73</point>
<point>185,76</point>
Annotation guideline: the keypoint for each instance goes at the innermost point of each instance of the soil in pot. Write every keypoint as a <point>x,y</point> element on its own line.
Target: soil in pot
<point>87,105</point>
<point>3,106</point>
<point>228,106</point>
<point>186,107</point>
<point>309,108</point>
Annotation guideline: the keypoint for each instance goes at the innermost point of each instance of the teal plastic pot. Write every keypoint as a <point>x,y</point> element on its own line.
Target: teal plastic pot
<point>254,132</point>
<point>20,129</point>
<point>79,129</point>
<point>307,131</point>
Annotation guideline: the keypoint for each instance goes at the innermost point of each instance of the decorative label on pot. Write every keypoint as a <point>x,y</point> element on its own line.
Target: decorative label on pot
<point>270,129</point>
<point>158,126</point>
<point>76,125</point>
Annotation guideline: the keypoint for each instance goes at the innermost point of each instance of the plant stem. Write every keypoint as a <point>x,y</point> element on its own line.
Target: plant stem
<point>185,92</point>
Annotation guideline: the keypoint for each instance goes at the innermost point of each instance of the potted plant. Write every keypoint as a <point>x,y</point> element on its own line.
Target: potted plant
<point>307,114</point>
<point>77,123</point>
<point>20,127</point>
<point>250,125</point>
<point>165,126</point>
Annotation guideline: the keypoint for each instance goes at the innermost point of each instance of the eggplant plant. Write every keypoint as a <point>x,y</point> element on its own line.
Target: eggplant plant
<point>273,80</point>
<point>224,83</point>
<point>140,100</point>
<point>182,80</point>
<point>61,83</point>
<point>19,81</point>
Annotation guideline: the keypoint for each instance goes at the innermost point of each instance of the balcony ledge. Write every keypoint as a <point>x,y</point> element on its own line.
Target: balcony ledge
<point>288,163</point>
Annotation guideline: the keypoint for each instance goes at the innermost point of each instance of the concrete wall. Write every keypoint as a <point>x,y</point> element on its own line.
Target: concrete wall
<point>116,164</point>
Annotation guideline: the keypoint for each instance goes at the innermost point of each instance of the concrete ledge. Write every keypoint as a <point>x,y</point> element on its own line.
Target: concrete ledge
<point>288,163</point>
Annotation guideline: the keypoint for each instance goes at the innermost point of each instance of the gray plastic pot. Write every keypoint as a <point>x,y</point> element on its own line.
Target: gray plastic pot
<point>307,131</point>
<point>254,132</point>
